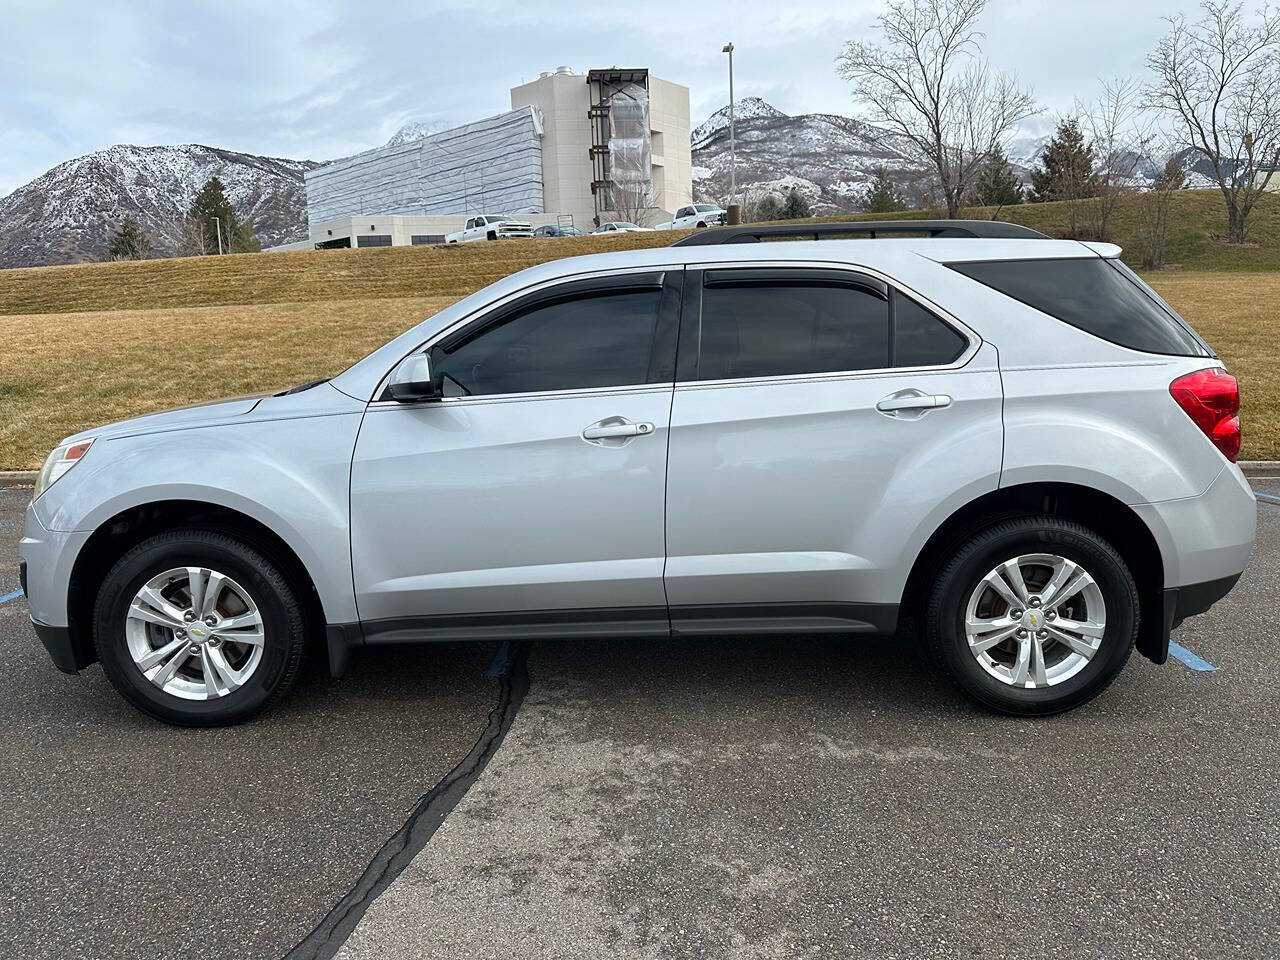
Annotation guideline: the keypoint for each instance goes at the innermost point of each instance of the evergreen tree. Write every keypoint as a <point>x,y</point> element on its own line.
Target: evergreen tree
<point>881,195</point>
<point>128,241</point>
<point>1066,166</point>
<point>998,185</point>
<point>796,207</point>
<point>210,203</point>
<point>1172,177</point>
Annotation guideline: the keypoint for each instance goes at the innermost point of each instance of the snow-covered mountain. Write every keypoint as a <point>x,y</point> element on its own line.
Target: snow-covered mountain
<point>748,108</point>
<point>66,214</point>
<point>413,130</point>
<point>829,158</point>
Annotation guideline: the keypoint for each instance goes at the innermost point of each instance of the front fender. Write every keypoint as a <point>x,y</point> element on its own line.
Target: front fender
<point>290,475</point>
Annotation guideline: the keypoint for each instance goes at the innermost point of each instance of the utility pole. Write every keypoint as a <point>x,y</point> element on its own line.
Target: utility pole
<point>733,150</point>
<point>217,225</point>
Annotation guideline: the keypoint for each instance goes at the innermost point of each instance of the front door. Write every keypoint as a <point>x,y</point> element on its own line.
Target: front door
<point>821,422</point>
<point>530,500</point>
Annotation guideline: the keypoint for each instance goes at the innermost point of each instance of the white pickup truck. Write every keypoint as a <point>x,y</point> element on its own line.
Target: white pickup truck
<point>490,227</point>
<point>696,215</point>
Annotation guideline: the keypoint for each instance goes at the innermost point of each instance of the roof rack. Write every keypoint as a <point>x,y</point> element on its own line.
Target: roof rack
<point>751,233</point>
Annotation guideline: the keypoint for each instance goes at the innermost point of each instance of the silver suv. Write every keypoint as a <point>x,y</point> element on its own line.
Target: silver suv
<point>1005,443</point>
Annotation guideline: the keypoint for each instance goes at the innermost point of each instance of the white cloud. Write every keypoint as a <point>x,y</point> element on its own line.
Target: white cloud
<point>324,78</point>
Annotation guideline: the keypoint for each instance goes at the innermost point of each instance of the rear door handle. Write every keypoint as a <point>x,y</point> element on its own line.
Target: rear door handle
<point>913,400</point>
<point>615,428</point>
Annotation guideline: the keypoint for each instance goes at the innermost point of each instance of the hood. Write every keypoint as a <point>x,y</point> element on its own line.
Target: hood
<point>201,414</point>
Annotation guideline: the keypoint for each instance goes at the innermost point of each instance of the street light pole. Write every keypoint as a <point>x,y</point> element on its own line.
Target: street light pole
<point>733,149</point>
<point>217,225</point>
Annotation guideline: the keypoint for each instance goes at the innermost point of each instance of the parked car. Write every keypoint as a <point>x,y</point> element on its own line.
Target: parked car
<point>696,216</point>
<point>490,227</point>
<point>1008,443</point>
<point>620,226</point>
<point>557,231</point>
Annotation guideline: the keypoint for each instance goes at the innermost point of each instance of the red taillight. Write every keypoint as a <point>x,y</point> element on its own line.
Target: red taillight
<point>1212,399</point>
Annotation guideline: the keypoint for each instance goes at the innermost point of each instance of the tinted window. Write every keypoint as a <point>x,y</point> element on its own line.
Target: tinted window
<point>1091,294</point>
<point>777,330</point>
<point>596,341</point>
<point>920,339</point>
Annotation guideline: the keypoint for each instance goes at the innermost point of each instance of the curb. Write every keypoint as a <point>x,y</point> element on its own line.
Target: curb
<point>1259,468</point>
<point>17,478</point>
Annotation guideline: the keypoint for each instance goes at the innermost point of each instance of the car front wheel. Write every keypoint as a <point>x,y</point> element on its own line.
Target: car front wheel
<point>198,628</point>
<point>1034,615</point>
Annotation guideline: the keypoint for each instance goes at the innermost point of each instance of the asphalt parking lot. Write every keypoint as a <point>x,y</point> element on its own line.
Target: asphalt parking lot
<point>765,797</point>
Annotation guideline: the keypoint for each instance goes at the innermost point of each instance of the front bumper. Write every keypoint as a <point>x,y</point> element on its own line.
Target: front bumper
<point>45,571</point>
<point>63,650</point>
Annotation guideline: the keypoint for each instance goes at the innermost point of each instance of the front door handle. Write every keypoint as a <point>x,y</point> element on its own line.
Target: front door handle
<point>615,429</point>
<point>909,401</point>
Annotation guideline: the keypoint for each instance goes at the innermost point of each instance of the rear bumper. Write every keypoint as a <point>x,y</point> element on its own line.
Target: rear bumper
<point>1183,602</point>
<point>1180,603</point>
<point>1204,543</point>
<point>1206,538</point>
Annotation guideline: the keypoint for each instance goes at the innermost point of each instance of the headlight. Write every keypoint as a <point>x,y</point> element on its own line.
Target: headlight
<point>59,462</point>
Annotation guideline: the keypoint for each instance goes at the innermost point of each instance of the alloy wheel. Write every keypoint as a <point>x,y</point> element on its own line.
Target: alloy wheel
<point>1035,620</point>
<point>195,633</point>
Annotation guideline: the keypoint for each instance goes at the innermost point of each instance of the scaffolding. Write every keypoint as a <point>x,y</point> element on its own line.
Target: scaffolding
<point>621,144</point>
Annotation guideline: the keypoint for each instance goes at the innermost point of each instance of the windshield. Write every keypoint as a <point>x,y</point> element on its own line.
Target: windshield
<point>624,223</point>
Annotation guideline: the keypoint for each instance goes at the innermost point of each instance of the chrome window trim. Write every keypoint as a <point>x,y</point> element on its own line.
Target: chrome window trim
<point>972,337</point>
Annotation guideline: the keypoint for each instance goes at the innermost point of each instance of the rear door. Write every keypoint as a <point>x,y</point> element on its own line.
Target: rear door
<point>530,500</point>
<point>823,423</point>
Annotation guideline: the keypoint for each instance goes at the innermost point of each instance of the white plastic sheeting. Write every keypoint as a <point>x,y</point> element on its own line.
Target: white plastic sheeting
<point>630,149</point>
<point>489,166</point>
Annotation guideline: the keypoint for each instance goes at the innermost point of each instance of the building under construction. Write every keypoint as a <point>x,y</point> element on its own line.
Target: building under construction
<point>610,144</point>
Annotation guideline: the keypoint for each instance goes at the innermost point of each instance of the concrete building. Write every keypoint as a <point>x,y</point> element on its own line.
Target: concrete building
<point>579,157</point>
<point>606,145</point>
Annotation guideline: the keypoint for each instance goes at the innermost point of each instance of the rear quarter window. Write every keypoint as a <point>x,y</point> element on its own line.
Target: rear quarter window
<point>1093,294</point>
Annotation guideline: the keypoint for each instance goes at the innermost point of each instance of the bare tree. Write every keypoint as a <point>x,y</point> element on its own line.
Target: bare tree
<point>929,87</point>
<point>1152,205</point>
<point>1219,78</point>
<point>1113,124</point>
<point>190,238</point>
<point>634,201</point>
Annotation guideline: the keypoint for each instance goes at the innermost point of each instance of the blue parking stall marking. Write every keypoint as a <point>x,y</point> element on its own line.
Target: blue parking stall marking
<point>1269,497</point>
<point>1189,659</point>
<point>501,660</point>
<point>11,596</point>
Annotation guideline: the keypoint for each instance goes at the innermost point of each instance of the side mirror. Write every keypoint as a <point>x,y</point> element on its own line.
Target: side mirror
<point>412,382</point>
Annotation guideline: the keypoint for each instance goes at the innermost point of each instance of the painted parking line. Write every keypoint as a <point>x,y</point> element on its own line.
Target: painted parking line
<point>11,596</point>
<point>1269,497</point>
<point>1189,659</point>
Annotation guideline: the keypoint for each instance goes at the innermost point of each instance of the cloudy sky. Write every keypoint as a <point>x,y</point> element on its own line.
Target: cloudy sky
<point>324,78</point>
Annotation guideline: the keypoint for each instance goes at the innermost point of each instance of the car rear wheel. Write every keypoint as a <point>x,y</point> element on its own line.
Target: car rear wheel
<point>1034,616</point>
<point>198,628</point>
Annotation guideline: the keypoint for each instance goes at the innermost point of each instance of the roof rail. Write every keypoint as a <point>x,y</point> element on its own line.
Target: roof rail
<point>753,233</point>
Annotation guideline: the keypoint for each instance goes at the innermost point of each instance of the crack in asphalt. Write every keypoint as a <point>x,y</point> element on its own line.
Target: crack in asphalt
<point>324,942</point>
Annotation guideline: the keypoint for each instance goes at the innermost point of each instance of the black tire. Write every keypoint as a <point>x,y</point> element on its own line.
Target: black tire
<point>282,620</point>
<point>981,553</point>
